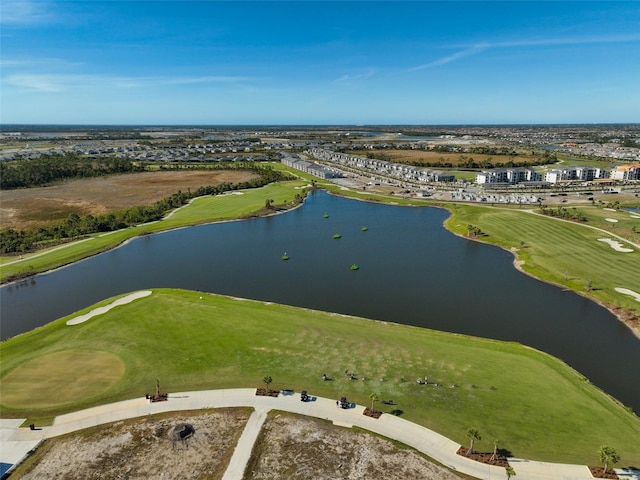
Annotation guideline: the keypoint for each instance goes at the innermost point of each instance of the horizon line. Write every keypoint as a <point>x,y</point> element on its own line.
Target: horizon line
<point>309,125</point>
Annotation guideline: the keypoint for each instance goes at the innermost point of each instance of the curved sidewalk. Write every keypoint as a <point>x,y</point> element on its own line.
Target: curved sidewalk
<point>422,439</point>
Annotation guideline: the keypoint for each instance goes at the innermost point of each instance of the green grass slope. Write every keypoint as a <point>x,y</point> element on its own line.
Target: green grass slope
<point>535,405</point>
<point>557,251</point>
<point>202,210</point>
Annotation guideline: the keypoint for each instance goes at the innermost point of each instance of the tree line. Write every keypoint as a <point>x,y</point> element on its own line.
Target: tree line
<point>74,226</point>
<point>33,172</point>
<point>561,212</point>
<point>470,163</point>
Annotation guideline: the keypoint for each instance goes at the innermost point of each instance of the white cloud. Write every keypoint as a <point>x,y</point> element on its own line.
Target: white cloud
<point>566,41</point>
<point>475,49</point>
<point>64,82</point>
<point>481,47</point>
<point>205,79</point>
<point>351,78</point>
<point>41,83</point>
<point>26,12</point>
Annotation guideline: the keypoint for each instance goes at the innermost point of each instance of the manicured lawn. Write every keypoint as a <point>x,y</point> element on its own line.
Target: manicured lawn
<point>623,226</point>
<point>535,405</point>
<point>562,252</point>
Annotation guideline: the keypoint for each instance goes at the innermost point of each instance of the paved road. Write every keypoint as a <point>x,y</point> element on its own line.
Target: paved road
<point>17,442</point>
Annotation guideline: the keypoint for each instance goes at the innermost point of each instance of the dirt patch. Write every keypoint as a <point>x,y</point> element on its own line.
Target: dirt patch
<point>267,392</point>
<point>484,457</point>
<point>598,472</point>
<point>143,448</point>
<point>297,447</point>
<point>32,207</point>
<point>628,316</point>
<point>372,413</point>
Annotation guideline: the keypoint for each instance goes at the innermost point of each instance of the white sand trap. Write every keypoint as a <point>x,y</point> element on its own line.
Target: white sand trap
<point>231,193</point>
<point>612,220</point>
<point>626,291</point>
<point>617,246</point>
<point>635,216</point>
<point>100,310</point>
<point>610,209</point>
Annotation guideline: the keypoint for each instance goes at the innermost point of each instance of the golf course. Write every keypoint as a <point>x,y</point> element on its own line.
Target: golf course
<point>535,405</point>
<point>554,250</point>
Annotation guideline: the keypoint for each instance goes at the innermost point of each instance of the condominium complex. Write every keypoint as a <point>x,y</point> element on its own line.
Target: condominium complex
<point>584,174</point>
<point>508,175</point>
<point>627,172</point>
<point>380,167</point>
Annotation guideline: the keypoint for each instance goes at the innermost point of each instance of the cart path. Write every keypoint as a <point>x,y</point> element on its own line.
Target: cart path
<point>16,443</point>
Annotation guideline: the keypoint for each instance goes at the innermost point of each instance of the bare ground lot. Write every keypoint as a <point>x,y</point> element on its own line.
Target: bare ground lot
<point>297,447</point>
<point>290,446</point>
<point>33,207</point>
<point>142,449</point>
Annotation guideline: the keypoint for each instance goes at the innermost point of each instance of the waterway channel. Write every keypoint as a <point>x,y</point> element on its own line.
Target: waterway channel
<point>412,271</point>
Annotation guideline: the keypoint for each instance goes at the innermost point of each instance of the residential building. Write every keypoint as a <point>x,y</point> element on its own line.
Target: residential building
<point>508,175</point>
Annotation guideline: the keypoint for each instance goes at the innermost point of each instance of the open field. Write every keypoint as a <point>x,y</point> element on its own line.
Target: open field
<point>207,209</point>
<point>32,207</point>
<point>537,406</point>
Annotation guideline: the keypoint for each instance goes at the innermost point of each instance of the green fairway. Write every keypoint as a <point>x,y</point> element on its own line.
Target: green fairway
<point>535,405</point>
<point>561,252</point>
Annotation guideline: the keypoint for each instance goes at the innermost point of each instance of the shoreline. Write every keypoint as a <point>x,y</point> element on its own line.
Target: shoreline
<point>517,263</point>
<point>130,239</point>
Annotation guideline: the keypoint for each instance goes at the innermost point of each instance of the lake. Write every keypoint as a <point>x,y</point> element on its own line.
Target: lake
<point>412,271</point>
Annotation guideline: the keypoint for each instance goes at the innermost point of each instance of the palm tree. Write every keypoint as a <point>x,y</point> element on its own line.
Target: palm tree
<point>509,471</point>
<point>495,451</point>
<point>608,455</point>
<point>267,381</point>
<point>473,435</point>
<point>374,398</point>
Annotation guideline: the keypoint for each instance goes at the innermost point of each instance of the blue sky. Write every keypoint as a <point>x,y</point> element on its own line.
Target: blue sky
<point>331,62</point>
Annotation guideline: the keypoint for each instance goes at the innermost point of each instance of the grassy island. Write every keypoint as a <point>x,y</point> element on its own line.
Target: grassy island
<point>537,406</point>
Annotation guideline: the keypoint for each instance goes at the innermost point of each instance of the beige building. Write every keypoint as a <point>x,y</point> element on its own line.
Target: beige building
<point>630,171</point>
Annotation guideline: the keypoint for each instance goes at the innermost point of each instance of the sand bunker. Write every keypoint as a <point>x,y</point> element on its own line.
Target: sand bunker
<point>635,216</point>
<point>612,220</point>
<point>617,246</point>
<point>626,291</point>
<point>100,310</point>
<point>610,209</point>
